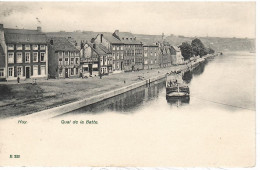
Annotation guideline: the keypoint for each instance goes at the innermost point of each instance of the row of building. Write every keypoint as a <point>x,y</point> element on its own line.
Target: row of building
<point>33,54</point>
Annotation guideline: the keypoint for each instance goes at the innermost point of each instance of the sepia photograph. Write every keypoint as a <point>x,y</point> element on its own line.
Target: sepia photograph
<point>128,84</point>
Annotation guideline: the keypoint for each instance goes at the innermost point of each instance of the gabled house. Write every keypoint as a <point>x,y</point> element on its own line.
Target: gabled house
<point>165,54</point>
<point>116,47</point>
<point>177,58</point>
<point>95,59</point>
<point>26,53</point>
<point>64,58</point>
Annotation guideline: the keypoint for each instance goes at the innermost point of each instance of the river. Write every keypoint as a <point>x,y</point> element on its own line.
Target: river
<point>215,126</point>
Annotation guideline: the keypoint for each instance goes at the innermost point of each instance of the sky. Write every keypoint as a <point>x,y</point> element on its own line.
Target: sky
<point>216,19</point>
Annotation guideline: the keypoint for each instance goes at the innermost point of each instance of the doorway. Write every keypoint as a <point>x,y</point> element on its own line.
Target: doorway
<point>27,72</point>
<point>66,73</point>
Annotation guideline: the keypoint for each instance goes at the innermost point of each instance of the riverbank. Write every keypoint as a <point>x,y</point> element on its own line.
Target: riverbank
<point>65,94</point>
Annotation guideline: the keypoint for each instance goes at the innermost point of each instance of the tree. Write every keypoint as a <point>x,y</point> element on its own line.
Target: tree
<point>211,51</point>
<point>186,50</point>
<point>198,47</point>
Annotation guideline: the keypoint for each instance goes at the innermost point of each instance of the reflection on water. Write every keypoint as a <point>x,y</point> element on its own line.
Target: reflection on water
<point>187,76</point>
<point>178,101</point>
<point>126,102</point>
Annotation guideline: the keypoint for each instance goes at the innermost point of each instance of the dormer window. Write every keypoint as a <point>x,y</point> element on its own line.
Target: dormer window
<point>126,38</point>
<point>35,47</point>
<point>27,47</point>
<point>19,47</point>
<point>10,47</point>
<point>123,38</point>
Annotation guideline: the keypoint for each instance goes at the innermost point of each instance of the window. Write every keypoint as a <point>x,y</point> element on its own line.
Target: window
<point>10,71</point>
<point>122,56</point>
<point>43,70</point>
<point>10,47</point>
<point>19,47</point>
<point>114,56</point>
<point>155,54</point>
<point>77,71</point>
<point>151,53</point>
<point>10,57</point>
<point>66,61</point>
<point>19,58</point>
<point>114,48</point>
<point>72,71</point>
<point>27,57</point>
<point>145,48</point>
<point>145,54</point>
<point>35,57</point>
<point>101,62</point>
<point>19,71</point>
<point>42,47</point>
<point>27,47</point>
<point>35,70</point>
<point>42,57</point>
<point>35,47</point>
<point>60,61</point>
<point>71,60</point>
<point>2,73</point>
<point>77,60</point>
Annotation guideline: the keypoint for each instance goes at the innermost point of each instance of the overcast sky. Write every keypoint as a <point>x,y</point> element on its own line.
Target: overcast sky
<point>222,19</point>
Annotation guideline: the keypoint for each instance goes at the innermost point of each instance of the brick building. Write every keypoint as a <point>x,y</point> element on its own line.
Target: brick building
<point>116,47</point>
<point>133,51</point>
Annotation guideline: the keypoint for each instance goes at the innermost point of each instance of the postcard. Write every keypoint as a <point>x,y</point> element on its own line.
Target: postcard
<point>128,84</point>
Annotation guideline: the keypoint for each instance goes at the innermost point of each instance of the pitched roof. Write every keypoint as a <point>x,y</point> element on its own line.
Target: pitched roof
<point>24,36</point>
<point>113,40</point>
<point>176,48</point>
<point>126,37</point>
<point>62,44</point>
<point>99,49</point>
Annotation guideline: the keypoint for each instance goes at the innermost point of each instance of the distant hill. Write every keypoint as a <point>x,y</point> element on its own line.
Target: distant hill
<point>217,43</point>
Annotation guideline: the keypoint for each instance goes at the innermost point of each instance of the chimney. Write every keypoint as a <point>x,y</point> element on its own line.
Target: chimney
<point>117,33</point>
<point>94,46</point>
<point>1,26</point>
<point>39,29</point>
<point>51,41</point>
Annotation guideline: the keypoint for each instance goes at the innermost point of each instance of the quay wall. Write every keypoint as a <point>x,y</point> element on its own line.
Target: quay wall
<point>56,111</point>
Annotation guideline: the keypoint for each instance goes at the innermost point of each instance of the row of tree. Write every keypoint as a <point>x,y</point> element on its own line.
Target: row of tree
<point>196,48</point>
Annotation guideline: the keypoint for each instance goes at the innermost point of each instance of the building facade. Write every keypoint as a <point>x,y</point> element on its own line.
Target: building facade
<point>133,51</point>
<point>26,54</point>
<point>177,58</point>
<point>165,55</point>
<point>64,58</point>
<point>96,59</point>
<point>116,47</point>
<point>151,56</point>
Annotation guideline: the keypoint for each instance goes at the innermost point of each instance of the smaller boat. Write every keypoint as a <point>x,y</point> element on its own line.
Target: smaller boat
<point>175,87</point>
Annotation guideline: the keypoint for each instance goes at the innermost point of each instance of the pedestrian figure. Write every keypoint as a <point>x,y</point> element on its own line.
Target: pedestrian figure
<point>18,79</point>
